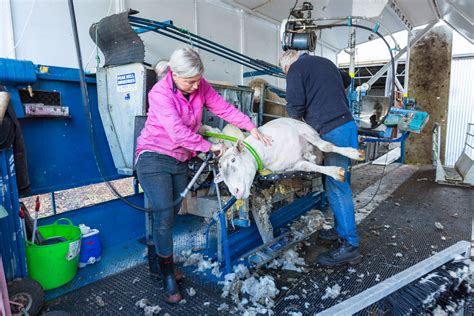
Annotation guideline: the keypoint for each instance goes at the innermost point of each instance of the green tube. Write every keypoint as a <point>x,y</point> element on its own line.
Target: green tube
<point>235,139</point>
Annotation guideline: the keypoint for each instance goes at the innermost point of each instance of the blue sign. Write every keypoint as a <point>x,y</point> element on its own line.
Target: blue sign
<point>126,82</point>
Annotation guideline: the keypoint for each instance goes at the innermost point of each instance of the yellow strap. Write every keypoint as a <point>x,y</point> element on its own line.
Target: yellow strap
<point>264,172</point>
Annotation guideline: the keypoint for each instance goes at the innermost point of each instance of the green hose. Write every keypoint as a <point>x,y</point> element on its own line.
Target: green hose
<point>235,139</point>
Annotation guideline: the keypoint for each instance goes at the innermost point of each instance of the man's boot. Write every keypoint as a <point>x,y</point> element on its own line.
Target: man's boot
<point>154,267</point>
<point>328,234</point>
<point>169,281</point>
<point>344,253</point>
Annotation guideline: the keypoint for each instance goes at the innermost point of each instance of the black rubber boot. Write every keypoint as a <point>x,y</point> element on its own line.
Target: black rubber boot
<point>169,281</point>
<point>154,267</point>
<point>328,234</point>
<point>345,253</point>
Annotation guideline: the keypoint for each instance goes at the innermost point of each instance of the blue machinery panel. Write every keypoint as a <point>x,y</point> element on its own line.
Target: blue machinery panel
<point>60,156</point>
<point>59,149</point>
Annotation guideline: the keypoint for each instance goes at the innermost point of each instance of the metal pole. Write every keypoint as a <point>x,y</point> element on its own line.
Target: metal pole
<point>384,69</point>
<point>53,202</point>
<point>407,66</point>
<point>84,95</point>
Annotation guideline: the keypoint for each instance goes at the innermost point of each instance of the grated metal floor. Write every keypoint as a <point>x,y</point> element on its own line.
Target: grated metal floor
<point>396,235</point>
<point>118,294</point>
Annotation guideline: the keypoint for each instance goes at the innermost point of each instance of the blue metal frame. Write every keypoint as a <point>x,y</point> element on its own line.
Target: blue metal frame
<point>400,139</point>
<point>239,243</point>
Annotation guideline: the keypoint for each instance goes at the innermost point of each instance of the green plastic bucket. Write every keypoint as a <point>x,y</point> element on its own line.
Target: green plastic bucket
<point>55,265</point>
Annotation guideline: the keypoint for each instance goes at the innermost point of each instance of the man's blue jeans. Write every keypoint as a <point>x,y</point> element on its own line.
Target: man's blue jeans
<point>162,178</point>
<point>340,193</point>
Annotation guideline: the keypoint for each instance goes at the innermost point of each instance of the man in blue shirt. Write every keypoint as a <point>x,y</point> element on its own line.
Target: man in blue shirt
<point>315,93</point>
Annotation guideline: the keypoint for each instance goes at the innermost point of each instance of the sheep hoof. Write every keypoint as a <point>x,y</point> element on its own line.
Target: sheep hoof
<point>361,155</point>
<point>341,175</point>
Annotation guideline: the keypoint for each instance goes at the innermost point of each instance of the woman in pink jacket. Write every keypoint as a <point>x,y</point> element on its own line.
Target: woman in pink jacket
<point>169,139</point>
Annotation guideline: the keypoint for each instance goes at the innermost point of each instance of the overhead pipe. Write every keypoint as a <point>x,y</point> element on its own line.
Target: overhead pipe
<point>205,44</point>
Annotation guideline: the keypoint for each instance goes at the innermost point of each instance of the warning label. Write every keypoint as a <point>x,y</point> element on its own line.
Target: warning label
<point>74,249</point>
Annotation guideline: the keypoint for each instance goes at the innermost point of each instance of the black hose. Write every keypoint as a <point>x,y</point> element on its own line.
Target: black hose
<point>391,99</point>
<point>88,112</point>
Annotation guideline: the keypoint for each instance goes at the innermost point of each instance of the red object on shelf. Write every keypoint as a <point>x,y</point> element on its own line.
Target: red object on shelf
<point>37,204</point>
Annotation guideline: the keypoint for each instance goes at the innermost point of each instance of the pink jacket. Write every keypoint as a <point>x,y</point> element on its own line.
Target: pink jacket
<point>173,121</point>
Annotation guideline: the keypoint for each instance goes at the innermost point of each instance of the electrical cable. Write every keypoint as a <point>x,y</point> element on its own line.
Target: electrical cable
<point>88,112</point>
<point>378,186</point>
<point>96,48</point>
<point>85,99</point>
<point>289,14</point>
<point>391,99</point>
<point>24,29</point>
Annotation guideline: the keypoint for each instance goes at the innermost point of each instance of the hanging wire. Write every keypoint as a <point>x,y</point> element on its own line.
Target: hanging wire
<point>189,36</point>
<point>97,57</point>
<point>24,29</point>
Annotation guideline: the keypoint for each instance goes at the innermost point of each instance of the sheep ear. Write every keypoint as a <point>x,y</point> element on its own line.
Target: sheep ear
<point>240,146</point>
<point>218,178</point>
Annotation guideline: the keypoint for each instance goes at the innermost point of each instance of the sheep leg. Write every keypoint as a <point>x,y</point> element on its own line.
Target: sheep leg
<point>337,173</point>
<point>327,147</point>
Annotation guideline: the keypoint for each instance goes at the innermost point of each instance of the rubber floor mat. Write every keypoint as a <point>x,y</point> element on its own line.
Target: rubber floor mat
<point>398,234</point>
<point>118,294</point>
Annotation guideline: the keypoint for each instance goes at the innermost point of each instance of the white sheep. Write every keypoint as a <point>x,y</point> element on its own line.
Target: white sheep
<point>292,149</point>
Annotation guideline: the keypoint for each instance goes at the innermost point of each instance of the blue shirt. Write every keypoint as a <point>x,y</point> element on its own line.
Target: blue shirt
<point>315,92</point>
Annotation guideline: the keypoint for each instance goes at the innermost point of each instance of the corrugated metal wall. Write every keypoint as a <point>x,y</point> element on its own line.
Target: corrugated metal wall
<point>461,106</point>
<point>12,249</point>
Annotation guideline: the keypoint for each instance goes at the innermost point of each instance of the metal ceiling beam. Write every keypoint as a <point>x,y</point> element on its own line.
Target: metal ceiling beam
<point>435,6</point>
<point>261,5</point>
<point>417,37</point>
<point>401,15</point>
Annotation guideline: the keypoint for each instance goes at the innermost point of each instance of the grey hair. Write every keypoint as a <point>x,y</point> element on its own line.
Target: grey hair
<point>185,63</point>
<point>288,57</point>
<point>161,68</point>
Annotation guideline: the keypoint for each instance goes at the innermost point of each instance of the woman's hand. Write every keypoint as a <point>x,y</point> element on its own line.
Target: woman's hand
<point>218,149</point>
<point>204,128</point>
<point>261,137</point>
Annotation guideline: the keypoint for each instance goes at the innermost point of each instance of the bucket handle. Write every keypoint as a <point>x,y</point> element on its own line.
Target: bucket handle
<point>64,219</point>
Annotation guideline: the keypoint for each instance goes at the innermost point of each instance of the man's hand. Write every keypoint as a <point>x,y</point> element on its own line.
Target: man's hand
<point>261,137</point>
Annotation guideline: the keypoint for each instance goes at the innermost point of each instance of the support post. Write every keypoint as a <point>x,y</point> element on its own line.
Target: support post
<point>430,69</point>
